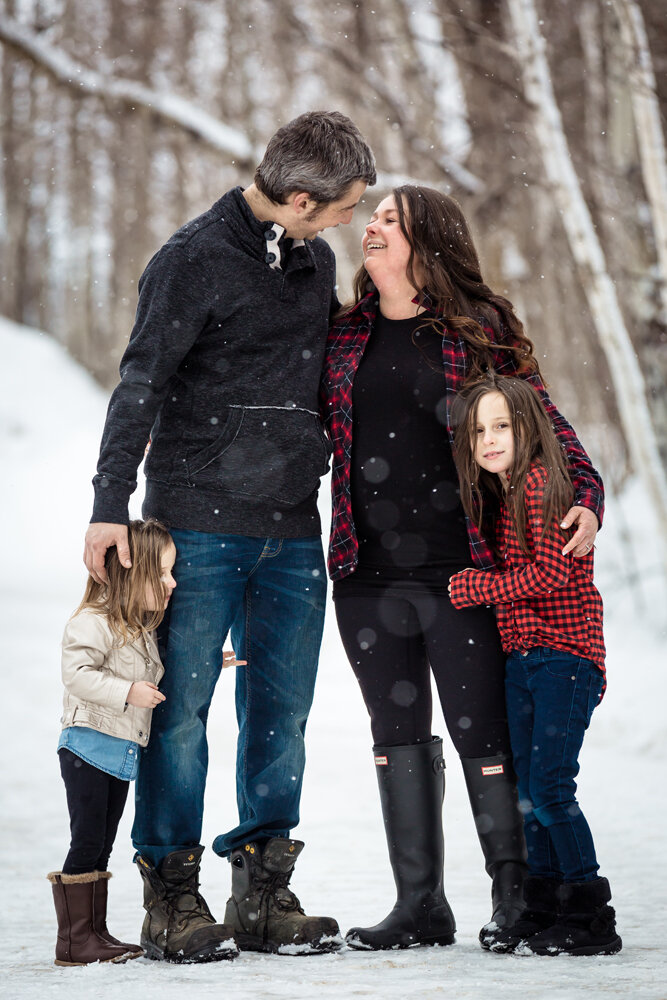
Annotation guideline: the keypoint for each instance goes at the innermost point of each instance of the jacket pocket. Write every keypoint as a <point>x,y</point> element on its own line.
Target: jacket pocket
<point>270,452</point>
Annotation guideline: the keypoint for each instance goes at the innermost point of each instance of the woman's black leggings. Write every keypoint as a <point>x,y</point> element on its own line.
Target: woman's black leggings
<point>95,801</point>
<point>394,637</point>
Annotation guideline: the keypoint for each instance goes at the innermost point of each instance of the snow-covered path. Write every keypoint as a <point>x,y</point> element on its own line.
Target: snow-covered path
<point>50,421</point>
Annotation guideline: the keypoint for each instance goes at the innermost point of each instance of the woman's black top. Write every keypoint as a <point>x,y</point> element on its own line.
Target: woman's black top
<point>405,497</point>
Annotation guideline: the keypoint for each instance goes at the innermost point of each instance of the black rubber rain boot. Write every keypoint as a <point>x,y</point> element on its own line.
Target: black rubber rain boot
<point>495,806</point>
<point>541,896</point>
<point>412,788</point>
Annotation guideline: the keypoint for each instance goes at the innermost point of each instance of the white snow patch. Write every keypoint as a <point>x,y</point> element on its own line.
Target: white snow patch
<point>51,417</point>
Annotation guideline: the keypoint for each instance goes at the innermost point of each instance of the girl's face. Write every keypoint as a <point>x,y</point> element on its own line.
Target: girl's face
<point>493,441</point>
<point>157,602</point>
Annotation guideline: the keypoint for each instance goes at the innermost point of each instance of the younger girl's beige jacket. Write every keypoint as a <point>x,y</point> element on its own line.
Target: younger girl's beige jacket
<point>98,672</point>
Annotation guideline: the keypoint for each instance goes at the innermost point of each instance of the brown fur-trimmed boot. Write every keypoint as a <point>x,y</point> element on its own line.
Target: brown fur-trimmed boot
<point>77,942</point>
<point>100,897</point>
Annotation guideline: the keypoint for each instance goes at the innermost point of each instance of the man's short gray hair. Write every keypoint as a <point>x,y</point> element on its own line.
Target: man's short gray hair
<point>321,152</point>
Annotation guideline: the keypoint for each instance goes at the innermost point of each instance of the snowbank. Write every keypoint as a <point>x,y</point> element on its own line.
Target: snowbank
<point>51,416</point>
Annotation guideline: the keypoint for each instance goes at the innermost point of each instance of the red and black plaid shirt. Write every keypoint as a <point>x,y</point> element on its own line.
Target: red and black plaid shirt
<point>345,346</point>
<point>542,598</point>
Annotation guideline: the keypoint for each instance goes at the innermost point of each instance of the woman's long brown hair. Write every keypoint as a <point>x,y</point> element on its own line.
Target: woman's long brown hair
<point>442,249</point>
<point>534,441</point>
<point>123,598</point>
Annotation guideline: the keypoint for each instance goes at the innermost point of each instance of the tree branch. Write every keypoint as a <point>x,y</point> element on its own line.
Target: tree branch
<point>173,109</point>
<point>445,164</point>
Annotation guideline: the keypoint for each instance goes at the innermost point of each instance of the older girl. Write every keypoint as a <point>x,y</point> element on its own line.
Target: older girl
<point>550,621</point>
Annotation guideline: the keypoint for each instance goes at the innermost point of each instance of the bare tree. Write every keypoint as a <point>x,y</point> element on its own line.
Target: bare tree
<point>648,129</point>
<point>589,257</point>
<point>123,119</point>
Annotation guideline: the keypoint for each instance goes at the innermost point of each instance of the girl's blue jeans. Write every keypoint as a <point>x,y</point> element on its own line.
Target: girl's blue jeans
<point>550,699</point>
<point>270,594</point>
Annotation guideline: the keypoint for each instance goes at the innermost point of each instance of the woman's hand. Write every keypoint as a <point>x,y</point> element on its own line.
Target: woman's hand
<point>229,659</point>
<point>583,539</point>
<point>143,694</point>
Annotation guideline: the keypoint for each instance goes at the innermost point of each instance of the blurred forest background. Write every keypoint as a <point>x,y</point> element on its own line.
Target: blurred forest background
<point>121,119</point>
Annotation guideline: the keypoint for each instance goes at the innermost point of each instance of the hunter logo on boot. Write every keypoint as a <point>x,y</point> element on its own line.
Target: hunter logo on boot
<point>381,761</point>
<point>493,769</point>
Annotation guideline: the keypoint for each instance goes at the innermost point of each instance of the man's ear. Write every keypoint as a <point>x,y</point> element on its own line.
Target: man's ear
<point>301,202</point>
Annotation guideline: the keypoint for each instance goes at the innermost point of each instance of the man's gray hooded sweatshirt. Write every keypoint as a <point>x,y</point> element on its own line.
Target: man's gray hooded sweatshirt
<point>221,374</point>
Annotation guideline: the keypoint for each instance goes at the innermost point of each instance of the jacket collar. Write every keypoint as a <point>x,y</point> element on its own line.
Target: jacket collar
<point>263,239</point>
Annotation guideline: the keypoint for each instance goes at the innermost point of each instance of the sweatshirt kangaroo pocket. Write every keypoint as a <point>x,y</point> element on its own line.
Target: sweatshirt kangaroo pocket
<point>271,452</point>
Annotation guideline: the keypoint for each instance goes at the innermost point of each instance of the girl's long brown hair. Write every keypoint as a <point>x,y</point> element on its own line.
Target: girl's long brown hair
<point>123,598</point>
<point>442,248</point>
<point>534,441</point>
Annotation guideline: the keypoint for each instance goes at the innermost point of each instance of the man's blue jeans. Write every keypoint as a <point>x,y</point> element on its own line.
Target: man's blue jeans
<point>270,593</point>
<point>550,699</point>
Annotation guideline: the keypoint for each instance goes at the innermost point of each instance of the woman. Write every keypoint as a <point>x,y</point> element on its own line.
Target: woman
<point>424,322</point>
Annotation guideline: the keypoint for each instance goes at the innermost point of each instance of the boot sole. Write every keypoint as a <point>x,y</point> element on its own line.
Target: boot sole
<point>325,946</point>
<point>612,948</point>
<point>156,954</point>
<point>119,960</point>
<point>358,945</point>
<point>499,948</point>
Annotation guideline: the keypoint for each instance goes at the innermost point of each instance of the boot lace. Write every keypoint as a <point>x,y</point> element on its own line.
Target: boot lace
<point>175,891</point>
<point>273,885</point>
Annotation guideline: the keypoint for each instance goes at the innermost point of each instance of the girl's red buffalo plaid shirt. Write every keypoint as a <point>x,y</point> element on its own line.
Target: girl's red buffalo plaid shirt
<point>542,598</point>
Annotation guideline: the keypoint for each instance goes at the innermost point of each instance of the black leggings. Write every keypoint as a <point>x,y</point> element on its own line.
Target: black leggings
<point>392,636</point>
<point>95,801</point>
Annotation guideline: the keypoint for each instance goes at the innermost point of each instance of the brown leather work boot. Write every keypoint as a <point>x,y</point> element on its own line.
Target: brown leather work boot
<point>264,914</point>
<point>179,926</point>
<point>78,943</point>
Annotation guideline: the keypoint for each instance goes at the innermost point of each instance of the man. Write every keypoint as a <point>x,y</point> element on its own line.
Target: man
<point>222,373</point>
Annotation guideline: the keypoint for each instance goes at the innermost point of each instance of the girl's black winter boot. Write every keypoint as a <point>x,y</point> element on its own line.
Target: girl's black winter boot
<point>586,924</point>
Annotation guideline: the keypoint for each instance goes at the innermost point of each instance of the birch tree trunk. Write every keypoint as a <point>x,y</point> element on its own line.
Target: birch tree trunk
<point>648,129</point>
<point>589,258</point>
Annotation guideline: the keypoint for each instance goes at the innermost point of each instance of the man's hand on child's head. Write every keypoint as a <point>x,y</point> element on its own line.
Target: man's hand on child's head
<point>100,537</point>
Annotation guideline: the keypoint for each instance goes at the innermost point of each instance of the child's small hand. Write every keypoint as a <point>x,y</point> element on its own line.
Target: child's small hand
<point>229,659</point>
<point>449,585</point>
<point>143,694</point>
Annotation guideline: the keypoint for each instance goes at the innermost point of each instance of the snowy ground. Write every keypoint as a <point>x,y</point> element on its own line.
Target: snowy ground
<point>51,415</point>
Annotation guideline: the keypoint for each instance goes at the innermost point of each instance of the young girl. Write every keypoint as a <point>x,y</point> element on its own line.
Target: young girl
<point>550,620</point>
<point>111,669</point>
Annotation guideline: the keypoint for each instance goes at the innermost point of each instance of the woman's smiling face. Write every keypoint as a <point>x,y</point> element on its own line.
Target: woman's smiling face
<point>385,248</point>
